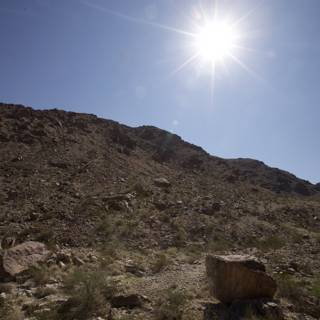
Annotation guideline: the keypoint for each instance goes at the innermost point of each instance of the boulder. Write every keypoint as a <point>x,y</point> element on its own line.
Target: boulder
<point>21,257</point>
<point>235,277</point>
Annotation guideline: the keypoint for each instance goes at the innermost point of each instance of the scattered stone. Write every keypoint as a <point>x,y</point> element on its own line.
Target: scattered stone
<point>135,270</point>
<point>64,257</point>
<point>21,258</point>
<point>77,261</point>
<point>34,216</point>
<point>62,265</point>
<point>238,277</point>
<point>161,182</point>
<point>211,209</point>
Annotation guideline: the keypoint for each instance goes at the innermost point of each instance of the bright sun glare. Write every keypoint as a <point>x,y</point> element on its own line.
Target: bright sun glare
<point>216,41</point>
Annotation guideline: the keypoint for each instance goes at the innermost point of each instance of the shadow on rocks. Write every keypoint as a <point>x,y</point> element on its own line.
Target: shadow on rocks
<point>243,310</point>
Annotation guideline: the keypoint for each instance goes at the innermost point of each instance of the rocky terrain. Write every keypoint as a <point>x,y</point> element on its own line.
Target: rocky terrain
<point>128,216</point>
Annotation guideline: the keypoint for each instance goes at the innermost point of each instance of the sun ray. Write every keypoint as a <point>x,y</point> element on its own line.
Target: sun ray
<point>246,15</point>
<point>137,20</point>
<point>184,64</point>
<point>246,68</point>
<point>212,82</point>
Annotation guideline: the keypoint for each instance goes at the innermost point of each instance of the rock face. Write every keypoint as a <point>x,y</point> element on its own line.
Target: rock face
<point>238,277</point>
<point>21,257</point>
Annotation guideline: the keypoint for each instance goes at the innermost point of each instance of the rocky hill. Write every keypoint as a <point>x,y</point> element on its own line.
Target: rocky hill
<point>143,197</point>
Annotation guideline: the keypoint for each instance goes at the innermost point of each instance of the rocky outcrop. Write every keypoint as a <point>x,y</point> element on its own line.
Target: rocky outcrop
<point>21,257</point>
<point>235,277</point>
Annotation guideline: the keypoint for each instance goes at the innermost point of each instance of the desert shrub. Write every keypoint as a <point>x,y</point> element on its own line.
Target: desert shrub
<point>89,290</point>
<point>180,236</point>
<point>9,311</point>
<point>141,189</point>
<point>127,228</point>
<point>161,261</point>
<point>6,287</point>
<point>105,228</point>
<point>270,243</point>
<point>218,244</point>
<point>42,292</point>
<point>40,274</point>
<point>316,287</point>
<point>172,251</point>
<point>291,288</point>
<point>193,252</point>
<point>171,306</point>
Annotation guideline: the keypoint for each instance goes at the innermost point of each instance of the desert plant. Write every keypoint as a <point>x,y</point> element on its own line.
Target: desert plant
<point>160,262</point>
<point>270,243</point>
<point>40,274</point>
<point>89,290</point>
<point>172,305</point>
<point>316,287</point>
<point>42,292</point>
<point>291,288</point>
<point>218,244</point>
<point>9,311</point>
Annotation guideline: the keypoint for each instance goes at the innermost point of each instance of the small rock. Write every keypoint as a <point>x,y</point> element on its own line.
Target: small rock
<point>161,182</point>
<point>77,261</point>
<point>62,265</point>
<point>134,269</point>
<point>3,295</point>
<point>64,257</point>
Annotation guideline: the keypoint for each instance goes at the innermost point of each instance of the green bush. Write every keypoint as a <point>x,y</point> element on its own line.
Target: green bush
<point>89,291</point>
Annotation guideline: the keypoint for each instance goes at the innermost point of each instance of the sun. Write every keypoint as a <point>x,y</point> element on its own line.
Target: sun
<point>216,41</point>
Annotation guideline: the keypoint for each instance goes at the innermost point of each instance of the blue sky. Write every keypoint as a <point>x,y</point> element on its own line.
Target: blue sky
<point>115,59</point>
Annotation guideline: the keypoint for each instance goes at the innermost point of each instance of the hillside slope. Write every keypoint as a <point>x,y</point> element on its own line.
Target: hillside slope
<point>77,181</point>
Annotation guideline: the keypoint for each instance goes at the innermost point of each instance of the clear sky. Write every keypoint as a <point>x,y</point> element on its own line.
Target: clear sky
<point>120,60</point>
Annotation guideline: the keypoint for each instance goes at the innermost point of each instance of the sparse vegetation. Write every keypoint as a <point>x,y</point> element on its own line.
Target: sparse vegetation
<point>160,262</point>
<point>40,274</point>
<point>81,190</point>
<point>218,244</point>
<point>89,291</point>
<point>290,287</point>
<point>171,307</point>
<point>316,287</point>
<point>9,310</point>
<point>270,243</point>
